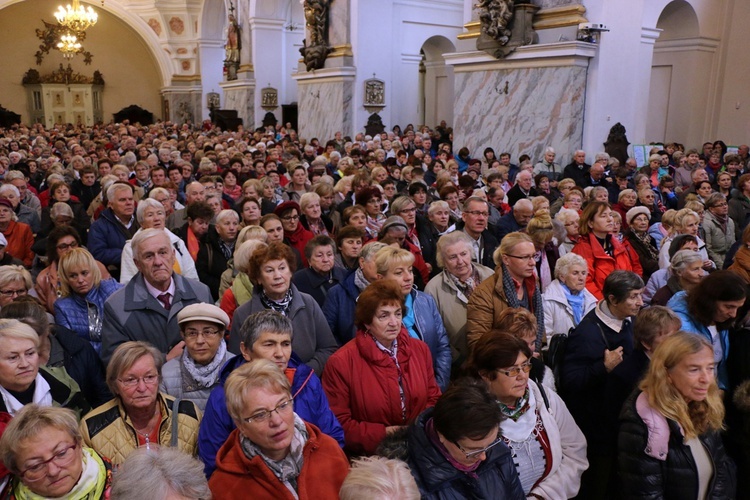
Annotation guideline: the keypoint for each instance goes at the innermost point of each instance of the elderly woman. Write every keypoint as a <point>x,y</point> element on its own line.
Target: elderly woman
<point>139,415</point>
<point>452,288</point>
<point>566,299</point>
<point>266,335</point>
<point>603,252</point>
<point>569,219</point>
<point>379,477</point>
<point>515,263</point>
<point>249,210</point>
<point>541,231</point>
<point>381,365</point>
<point>670,443</point>
<point>686,221</point>
<point>709,309</point>
<point>549,449</point>
<point>371,199</point>
<point>639,242</point>
<point>217,249</point>
<point>268,435</point>
<point>163,473</point>
<point>151,215</point>
<point>686,271</point>
<point>322,274</point>
<point>83,293</point>
<point>719,228</point>
<point>270,270</point>
<point>24,381</point>
<point>14,282</point>
<point>241,289</point>
<point>312,217</point>
<point>349,241</point>
<point>626,200</point>
<point>195,372</point>
<point>43,449</point>
<point>598,344</point>
<point>60,193</point>
<point>17,234</point>
<point>295,234</point>
<point>421,316</point>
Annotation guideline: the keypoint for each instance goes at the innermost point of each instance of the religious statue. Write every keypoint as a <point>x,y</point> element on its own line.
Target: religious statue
<point>184,113</point>
<point>496,16</point>
<point>232,48</point>
<point>505,26</point>
<point>315,47</point>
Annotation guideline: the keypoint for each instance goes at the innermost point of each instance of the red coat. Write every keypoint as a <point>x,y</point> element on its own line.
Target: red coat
<point>361,383</point>
<point>20,239</point>
<point>602,265</point>
<point>323,471</point>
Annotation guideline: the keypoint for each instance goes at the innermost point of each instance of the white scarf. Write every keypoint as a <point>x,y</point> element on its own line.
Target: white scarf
<point>520,430</point>
<point>205,375</point>
<point>42,396</point>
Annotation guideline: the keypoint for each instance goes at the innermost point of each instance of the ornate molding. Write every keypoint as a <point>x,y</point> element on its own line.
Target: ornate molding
<point>553,17</point>
<point>342,51</point>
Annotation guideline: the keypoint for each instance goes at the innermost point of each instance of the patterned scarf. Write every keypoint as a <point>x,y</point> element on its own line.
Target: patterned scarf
<point>536,306</point>
<point>466,288</point>
<point>645,240</point>
<point>281,306</point>
<point>317,227</point>
<point>374,225</point>
<point>359,280</point>
<point>517,411</point>
<point>205,375</point>
<point>432,435</point>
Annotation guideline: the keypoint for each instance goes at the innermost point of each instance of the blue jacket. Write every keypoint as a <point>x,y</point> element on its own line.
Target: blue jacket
<point>432,332</point>
<point>678,304</point>
<point>506,225</point>
<point>107,237</point>
<point>339,309</point>
<point>310,403</point>
<point>71,312</point>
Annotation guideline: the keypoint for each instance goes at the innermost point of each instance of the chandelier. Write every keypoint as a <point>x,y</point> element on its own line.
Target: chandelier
<point>75,17</point>
<point>68,45</point>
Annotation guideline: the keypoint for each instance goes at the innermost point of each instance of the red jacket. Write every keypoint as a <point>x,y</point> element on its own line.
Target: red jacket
<point>20,239</point>
<point>323,471</point>
<point>602,265</point>
<point>299,239</point>
<point>361,383</point>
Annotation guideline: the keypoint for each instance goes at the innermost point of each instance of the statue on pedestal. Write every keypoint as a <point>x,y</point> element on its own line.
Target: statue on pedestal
<point>506,25</point>
<point>495,16</point>
<point>232,48</point>
<point>315,47</point>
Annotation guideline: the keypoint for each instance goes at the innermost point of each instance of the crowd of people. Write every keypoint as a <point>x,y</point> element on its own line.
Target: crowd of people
<point>199,313</point>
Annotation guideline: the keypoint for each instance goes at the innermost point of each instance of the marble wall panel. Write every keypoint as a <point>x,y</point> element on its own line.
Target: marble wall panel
<point>542,107</point>
<point>325,108</point>
<point>546,4</point>
<point>242,99</point>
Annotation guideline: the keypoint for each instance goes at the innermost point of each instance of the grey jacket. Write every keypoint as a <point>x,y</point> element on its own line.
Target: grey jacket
<point>177,382</point>
<point>132,313</point>
<point>313,341</point>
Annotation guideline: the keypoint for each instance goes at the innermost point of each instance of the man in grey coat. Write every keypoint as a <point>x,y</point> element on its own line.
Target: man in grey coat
<point>146,309</point>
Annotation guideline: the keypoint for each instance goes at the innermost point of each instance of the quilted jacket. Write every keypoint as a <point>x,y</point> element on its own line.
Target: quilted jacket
<point>110,432</point>
<point>177,381</point>
<point>339,309</point>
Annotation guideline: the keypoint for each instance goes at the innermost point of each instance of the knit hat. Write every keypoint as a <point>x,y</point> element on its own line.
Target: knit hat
<point>286,206</point>
<point>635,211</point>
<point>6,203</point>
<point>393,221</point>
<point>203,312</point>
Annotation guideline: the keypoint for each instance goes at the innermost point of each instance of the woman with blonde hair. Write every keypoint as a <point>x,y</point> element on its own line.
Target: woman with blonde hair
<point>686,221</point>
<point>14,281</point>
<point>542,232</point>
<point>379,478</point>
<point>669,443</point>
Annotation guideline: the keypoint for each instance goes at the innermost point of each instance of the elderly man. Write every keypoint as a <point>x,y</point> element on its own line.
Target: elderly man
<point>548,166</point>
<point>29,199</point>
<point>195,191</point>
<point>524,188</point>
<point>577,169</point>
<point>475,217</point>
<point>115,225</point>
<point>146,309</point>
<point>515,220</point>
<point>696,176</point>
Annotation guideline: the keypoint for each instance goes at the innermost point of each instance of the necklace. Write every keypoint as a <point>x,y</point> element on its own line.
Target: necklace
<point>151,425</point>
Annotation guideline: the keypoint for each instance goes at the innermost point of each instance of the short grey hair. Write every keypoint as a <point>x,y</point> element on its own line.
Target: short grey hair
<point>601,156</point>
<point>524,203</point>
<point>117,186</point>
<point>682,259</point>
<point>147,234</point>
<point>476,199</point>
<point>13,175</point>
<point>549,149</point>
<point>10,188</point>
<point>264,321</point>
<point>244,252</point>
<point>227,213</point>
<point>369,250</point>
<point>564,263</point>
<point>147,203</point>
<point>401,203</point>
<point>438,205</point>
<point>379,477</point>
<point>619,284</point>
<point>160,471</point>
<point>10,273</point>
<point>157,190</point>
<point>451,239</point>
<point>566,215</point>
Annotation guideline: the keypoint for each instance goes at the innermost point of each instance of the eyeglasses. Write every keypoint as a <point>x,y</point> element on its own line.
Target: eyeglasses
<point>263,415</point>
<point>516,370</point>
<point>64,246</point>
<point>477,213</point>
<point>476,453</point>
<point>290,217</point>
<point>521,257</point>
<point>408,210</point>
<point>208,333</point>
<point>11,293</point>
<point>62,458</point>
<point>133,381</point>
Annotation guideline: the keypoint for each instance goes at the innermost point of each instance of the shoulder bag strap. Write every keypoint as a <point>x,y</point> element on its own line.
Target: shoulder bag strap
<point>175,422</point>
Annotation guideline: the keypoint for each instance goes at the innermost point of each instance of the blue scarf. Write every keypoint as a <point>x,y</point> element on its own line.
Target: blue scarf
<point>662,172</point>
<point>575,301</point>
<point>409,320</point>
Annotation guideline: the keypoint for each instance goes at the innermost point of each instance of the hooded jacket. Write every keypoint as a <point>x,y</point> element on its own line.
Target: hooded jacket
<point>339,309</point>
<point>601,264</point>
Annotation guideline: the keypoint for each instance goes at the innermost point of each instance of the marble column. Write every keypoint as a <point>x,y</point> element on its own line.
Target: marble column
<point>239,95</point>
<point>521,104</point>
<point>182,103</point>
<point>269,71</point>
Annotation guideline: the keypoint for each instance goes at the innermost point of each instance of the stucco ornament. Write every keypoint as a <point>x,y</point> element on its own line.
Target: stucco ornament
<point>315,47</point>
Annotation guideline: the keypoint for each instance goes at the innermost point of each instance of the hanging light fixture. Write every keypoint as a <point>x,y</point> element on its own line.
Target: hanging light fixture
<point>75,17</point>
<point>68,45</point>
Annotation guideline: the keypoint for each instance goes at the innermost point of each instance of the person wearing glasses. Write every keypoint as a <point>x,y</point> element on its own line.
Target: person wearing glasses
<point>14,282</point>
<point>379,382</point>
<point>371,199</point>
<point>719,228</point>
<point>295,234</point>
<point>273,453</point>
<point>43,450</point>
<point>196,371</point>
<point>549,449</point>
<point>514,284</point>
<point>474,222</point>
<point>139,416</point>
<point>83,293</point>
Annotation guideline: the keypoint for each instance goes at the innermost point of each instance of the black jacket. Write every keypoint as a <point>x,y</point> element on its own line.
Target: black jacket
<point>316,285</point>
<point>649,264</point>
<point>84,366</point>
<point>579,175</point>
<point>211,262</point>
<point>489,244</point>
<point>515,194</point>
<point>643,476</point>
